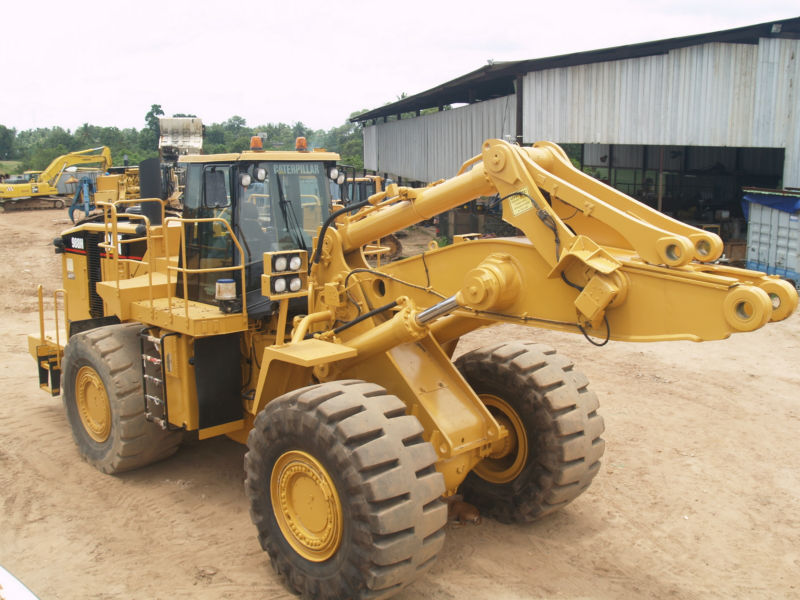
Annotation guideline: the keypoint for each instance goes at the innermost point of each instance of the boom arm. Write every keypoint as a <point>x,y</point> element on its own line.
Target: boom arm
<point>595,260</point>
<point>100,155</point>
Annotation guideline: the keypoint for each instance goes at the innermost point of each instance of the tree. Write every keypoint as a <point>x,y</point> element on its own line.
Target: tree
<point>149,138</point>
<point>235,124</point>
<point>7,139</point>
<point>151,118</point>
<point>37,147</point>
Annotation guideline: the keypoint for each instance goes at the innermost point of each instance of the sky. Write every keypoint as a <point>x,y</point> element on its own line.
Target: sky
<point>106,63</point>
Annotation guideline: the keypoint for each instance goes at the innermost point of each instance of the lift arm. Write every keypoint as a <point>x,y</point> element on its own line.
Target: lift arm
<point>595,260</point>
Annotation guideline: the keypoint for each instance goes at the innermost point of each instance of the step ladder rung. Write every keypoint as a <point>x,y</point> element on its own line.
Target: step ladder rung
<point>154,399</point>
<point>160,422</point>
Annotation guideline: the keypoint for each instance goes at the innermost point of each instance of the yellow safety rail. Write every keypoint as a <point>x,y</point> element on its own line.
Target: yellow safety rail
<point>186,271</point>
<point>43,341</point>
<point>112,244</point>
<point>112,241</point>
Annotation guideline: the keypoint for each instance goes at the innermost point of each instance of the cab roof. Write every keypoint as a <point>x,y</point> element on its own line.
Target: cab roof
<point>251,155</point>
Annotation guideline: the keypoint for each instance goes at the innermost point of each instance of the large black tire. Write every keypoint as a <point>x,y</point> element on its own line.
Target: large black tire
<point>107,360</point>
<point>383,520</point>
<point>555,446</point>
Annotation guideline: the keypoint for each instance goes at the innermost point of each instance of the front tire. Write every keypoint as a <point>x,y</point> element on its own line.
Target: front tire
<point>554,446</point>
<point>343,491</point>
<point>104,399</point>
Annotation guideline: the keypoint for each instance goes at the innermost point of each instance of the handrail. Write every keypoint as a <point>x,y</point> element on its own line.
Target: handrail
<point>59,292</point>
<point>39,292</point>
<point>110,215</point>
<point>185,270</point>
<point>63,293</point>
<point>112,245</point>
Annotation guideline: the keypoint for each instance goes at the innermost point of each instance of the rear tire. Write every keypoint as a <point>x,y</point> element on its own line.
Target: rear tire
<point>554,447</point>
<point>104,399</point>
<point>343,491</point>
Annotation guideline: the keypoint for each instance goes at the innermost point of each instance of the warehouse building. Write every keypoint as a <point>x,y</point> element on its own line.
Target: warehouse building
<point>682,124</point>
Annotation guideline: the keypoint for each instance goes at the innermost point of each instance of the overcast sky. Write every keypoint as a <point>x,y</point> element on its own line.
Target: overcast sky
<point>105,63</point>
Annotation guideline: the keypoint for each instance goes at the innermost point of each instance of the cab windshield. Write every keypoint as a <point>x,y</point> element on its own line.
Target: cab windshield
<point>281,205</point>
<point>268,205</point>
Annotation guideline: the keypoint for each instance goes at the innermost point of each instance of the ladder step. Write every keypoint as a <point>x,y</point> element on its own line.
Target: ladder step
<point>154,399</point>
<point>154,379</point>
<point>151,338</point>
<point>151,359</point>
<point>160,422</point>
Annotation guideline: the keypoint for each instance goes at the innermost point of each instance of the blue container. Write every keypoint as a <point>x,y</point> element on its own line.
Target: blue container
<point>773,232</point>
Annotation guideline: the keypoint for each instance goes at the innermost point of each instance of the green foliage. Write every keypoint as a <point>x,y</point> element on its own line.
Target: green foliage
<point>574,152</point>
<point>36,148</point>
<point>7,142</point>
<point>148,137</point>
<point>10,166</point>
<point>151,118</point>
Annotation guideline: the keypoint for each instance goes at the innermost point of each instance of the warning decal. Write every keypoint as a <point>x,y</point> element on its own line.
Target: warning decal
<point>520,203</point>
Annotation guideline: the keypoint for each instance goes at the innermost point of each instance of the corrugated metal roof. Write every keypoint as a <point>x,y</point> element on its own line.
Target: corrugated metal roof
<point>497,79</point>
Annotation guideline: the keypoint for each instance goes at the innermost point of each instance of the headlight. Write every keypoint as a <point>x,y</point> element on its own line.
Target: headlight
<point>295,263</point>
<point>279,264</point>
<point>340,179</point>
<point>334,173</point>
<point>245,179</point>
<point>294,284</point>
<point>279,285</point>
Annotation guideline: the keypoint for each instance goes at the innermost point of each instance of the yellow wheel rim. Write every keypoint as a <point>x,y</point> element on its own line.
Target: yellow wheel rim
<point>93,406</point>
<point>506,461</point>
<point>306,505</point>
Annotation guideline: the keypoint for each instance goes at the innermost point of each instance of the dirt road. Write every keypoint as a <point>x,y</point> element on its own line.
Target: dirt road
<point>698,496</point>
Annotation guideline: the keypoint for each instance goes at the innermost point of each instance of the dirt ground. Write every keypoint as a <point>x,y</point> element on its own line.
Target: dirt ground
<point>698,495</point>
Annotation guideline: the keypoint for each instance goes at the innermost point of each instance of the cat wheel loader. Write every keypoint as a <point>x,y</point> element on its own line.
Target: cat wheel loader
<point>255,315</point>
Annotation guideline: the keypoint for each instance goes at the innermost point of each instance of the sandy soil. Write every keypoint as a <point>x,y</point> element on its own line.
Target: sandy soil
<point>698,496</point>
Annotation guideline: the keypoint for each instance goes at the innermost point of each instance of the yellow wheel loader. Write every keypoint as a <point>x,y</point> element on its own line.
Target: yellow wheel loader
<point>254,314</point>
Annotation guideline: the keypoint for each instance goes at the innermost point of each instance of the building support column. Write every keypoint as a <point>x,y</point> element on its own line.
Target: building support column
<point>519,109</point>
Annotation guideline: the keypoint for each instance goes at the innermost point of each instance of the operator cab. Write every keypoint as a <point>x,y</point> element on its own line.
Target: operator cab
<point>271,201</point>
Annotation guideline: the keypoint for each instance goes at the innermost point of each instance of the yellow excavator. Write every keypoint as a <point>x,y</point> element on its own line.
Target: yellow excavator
<point>256,315</point>
<point>40,189</point>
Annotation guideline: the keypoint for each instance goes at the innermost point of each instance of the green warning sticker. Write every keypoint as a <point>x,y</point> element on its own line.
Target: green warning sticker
<point>520,203</point>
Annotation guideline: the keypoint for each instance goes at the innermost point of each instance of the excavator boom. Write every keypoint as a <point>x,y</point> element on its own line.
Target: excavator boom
<point>47,181</point>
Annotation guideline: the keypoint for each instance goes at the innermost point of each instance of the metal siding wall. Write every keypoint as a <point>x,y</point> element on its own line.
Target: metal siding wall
<point>702,95</point>
<point>370,148</point>
<point>434,146</point>
<point>777,103</point>
<point>735,95</point>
